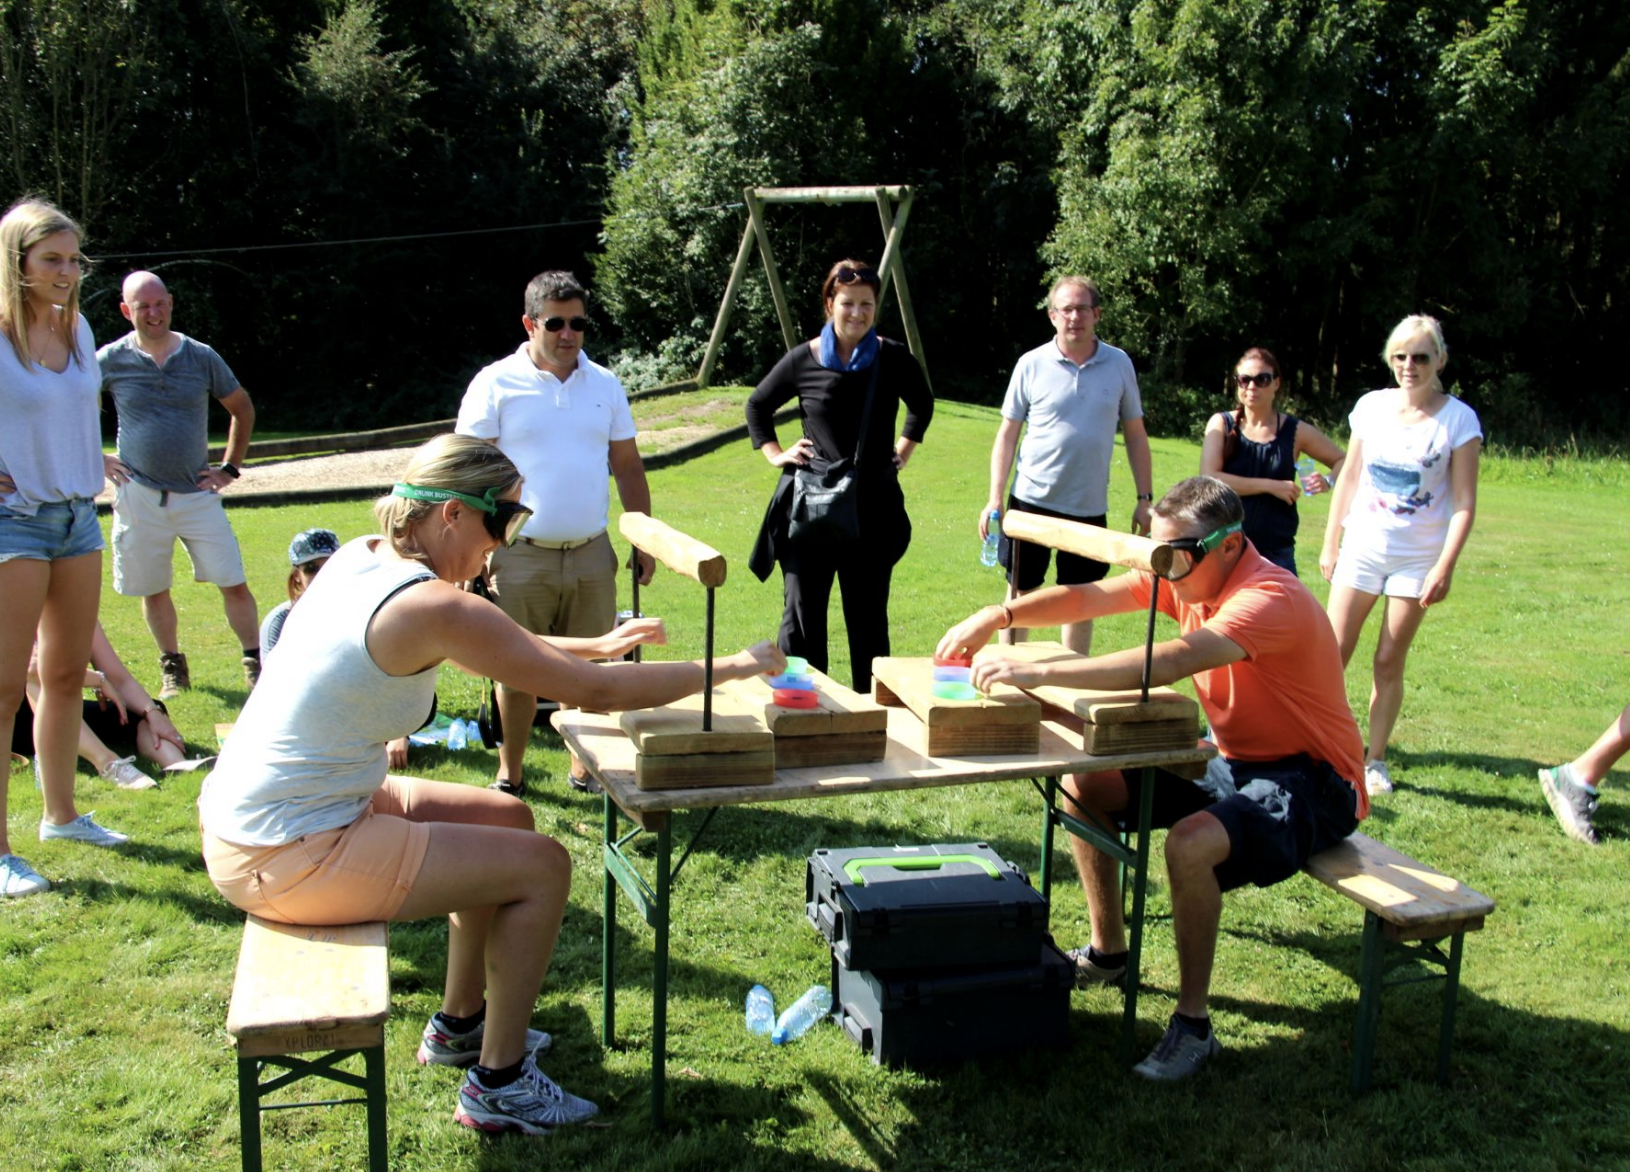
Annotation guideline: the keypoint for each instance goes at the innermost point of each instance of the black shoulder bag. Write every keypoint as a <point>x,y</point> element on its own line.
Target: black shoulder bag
<point>826,503</point>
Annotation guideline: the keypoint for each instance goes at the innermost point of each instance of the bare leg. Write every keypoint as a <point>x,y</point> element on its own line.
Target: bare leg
<point>1348,608</point>
<point>516,712</point>
<point>1194,848</point>
<point>1592,765</point>
<point>159,611</point>
<point>505,888</point>
<point>1099,795</point>
<point>23,582</point>
<point>1399,624</point>
<point>67,622</point>
<point>1077,636</point>
<point>149,747</point>
<point>241,615</point>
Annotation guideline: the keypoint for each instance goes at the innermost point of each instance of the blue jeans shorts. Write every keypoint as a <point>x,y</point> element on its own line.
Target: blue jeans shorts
<point>58,530</point>
<point>1278,814</point>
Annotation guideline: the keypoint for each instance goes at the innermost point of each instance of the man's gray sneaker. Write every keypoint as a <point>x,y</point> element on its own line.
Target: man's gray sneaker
<point>1089,974</point>
<point>1179,1054</point>
<point>1572,806</point>
<point>532,1104</point>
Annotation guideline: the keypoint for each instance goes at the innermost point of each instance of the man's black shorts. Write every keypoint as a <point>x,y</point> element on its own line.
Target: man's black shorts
<point>1073,569</point>
<point>1280,814</point>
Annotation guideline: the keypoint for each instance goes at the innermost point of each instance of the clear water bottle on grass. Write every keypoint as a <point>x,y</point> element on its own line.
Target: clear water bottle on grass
<point>796,1019</point>
<point>456,738</point>
<point>993,537</point>
<point>760,1010</point>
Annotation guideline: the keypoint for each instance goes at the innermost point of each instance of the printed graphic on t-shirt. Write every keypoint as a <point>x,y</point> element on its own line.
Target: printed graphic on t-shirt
<point>1398,486</point>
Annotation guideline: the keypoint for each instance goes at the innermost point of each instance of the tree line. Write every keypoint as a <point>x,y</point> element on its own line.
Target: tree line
<point>347,196</point>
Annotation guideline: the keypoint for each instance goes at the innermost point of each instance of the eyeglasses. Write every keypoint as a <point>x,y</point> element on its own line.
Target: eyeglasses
<point>1072,310</point>
<point>1415,359</point>
<point>555,324</point>
<point>1189,552</point>
<point>502,518</point>
<point>849,276</point>
<point>1265,379</point>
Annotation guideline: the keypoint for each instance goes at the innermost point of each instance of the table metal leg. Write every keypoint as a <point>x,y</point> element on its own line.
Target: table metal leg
<point>1134,928</point>
<point>608,943</point>
<point>1048,819</point>
<point>659,1003</point>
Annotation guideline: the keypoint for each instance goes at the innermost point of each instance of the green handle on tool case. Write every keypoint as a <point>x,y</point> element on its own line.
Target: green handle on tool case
<point>854,867</point>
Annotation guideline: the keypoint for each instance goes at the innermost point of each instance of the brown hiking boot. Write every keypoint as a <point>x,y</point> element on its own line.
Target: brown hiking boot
<point>251,670</point>
<point>172,667</point>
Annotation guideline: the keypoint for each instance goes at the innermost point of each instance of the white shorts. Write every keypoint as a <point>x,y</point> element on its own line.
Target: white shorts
<point>1372,572</point>
<point>146,524</point>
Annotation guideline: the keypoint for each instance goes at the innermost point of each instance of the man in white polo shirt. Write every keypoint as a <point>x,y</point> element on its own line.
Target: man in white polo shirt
<point>565,423</point>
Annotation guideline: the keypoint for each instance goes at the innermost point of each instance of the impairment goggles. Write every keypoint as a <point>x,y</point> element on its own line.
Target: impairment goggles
<point>554,325</point>
<point>502,518</point>
<point>1264,379</point>
<point>1189,552</point>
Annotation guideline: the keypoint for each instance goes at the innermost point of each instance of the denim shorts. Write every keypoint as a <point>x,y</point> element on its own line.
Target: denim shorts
<point>1278,814</point>
<point>58,530</point>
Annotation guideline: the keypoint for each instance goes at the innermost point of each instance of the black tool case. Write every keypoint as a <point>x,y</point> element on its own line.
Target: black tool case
<point>922,1016</point>
<point>903,907</point>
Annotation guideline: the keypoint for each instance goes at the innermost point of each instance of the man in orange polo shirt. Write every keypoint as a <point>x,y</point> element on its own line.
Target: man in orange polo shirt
<point>1268,673</point>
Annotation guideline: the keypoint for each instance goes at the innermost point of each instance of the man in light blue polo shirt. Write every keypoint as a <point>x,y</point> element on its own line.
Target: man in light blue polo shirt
<point>162,382</point>
<point>1067,397</point>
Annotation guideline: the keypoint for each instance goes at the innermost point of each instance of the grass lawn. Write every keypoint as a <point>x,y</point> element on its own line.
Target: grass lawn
<point>113,987</point>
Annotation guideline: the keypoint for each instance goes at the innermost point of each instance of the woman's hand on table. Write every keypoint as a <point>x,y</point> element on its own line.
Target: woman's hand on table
<point>992,666</point>
<point>760,659</point>
<point>970,634</point>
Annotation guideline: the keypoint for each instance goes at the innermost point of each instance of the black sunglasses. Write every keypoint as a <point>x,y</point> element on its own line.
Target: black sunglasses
<point>849,276</point>
<point>555,324</point>
<point>1189,552</point>
<point>1265,379</point>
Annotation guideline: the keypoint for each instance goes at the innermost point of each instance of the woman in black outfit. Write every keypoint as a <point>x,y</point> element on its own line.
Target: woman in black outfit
<point>830,376</point>
<point>1254,450</point>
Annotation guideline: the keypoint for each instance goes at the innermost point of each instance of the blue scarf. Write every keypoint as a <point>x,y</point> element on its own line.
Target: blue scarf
<point>865,353</point>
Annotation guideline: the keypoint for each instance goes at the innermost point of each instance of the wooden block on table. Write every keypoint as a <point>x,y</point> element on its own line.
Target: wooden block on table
<point>699,770</point>
<point>675,730</point>
<point>846,729</point>
<point>1005,721</point>
<point>1118,721</point>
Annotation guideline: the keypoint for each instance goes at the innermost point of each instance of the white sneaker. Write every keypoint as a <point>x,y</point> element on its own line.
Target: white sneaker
<point>82,829</point>
<point>18,878</point>
<point>1376,778</point>
<point>122,772</point>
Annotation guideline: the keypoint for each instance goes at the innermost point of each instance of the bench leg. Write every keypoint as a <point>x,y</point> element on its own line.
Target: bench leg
<point>249,1112</point>
<point>1369,1002</point>
<point>373,1060</point>
<point>1451,990</point>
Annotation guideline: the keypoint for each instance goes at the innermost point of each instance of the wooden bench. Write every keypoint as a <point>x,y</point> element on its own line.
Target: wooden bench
<point>1409,910</point>
<point>300,989</point>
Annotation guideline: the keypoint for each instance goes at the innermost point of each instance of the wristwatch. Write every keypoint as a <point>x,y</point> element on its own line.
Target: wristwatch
<point>231,471</point>
<point>1146,496</point>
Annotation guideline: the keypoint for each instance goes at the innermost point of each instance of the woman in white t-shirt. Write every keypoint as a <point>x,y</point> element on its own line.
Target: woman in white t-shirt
<point>1397,528</point>
<point>50,543</point>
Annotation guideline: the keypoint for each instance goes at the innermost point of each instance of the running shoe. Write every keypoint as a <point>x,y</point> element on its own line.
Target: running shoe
<point>82,829</point>
<point>122,772</point>
<point>17,878</point>
<point>532,1104</point>
<point>442,1047</point>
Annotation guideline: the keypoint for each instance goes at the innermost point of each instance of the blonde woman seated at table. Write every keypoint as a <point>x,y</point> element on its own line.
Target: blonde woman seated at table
<point>303,825</point>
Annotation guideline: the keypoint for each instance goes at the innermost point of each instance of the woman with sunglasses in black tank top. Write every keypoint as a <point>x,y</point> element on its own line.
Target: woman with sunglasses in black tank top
<point>1254,448</point>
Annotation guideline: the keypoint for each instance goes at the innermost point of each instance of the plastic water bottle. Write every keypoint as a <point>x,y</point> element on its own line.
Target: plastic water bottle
<point>993,535</point>
<point>456,738</point>
<point>1304,469</point>
<point>760,1010</point>
<point>472,735</point>
<point>796,1019</point>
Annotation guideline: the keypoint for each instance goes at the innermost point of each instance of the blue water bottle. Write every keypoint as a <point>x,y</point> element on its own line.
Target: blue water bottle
<point>993,536</point>
<point>760,1010</point>
<point>1304,470</point>
<point>796,1019</point>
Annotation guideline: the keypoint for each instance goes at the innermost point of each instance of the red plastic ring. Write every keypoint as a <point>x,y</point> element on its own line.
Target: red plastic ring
<point>953,661</point>
<point>793,698</point>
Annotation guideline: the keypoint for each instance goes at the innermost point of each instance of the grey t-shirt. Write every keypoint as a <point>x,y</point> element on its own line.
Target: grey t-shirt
<point>164,410</point>
<point>1070,415</point>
